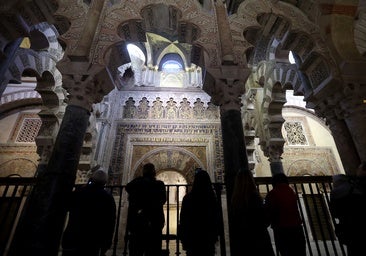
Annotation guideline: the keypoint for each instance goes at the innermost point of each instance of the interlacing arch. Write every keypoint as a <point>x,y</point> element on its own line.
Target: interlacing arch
<point>275,31</point>
<point>40,61</point>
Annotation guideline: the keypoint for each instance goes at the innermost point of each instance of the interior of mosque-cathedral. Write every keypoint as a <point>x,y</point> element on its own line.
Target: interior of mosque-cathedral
<point>265,86</point>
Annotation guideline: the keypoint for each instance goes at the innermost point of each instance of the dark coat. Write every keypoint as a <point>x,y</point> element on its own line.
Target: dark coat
<point>199,223</point>
<point>146,199</point>
<point>92,215</point>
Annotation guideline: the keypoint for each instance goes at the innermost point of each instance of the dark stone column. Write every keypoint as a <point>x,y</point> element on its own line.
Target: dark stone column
<point>276,167</point>
<point>235,159</point>
<point>235,154</point>
<point>343,140</point>
<point>41,224</point>
<point>354,117</point>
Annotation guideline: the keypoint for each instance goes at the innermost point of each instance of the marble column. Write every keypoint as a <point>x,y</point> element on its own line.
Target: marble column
<point>274,153</point>
<point>235,155</point>
<point>227,95</point>
<point>354,111</point>
<point>343,140</point>
<point>40,227</point>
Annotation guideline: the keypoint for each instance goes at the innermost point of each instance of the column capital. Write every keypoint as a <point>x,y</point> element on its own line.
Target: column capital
<point>86,85</point>
<point>274,151</point>
<point>226,86</point>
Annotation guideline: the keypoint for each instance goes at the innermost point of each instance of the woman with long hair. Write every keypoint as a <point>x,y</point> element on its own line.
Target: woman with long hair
<point>249,218</point>
<point>199,217</point>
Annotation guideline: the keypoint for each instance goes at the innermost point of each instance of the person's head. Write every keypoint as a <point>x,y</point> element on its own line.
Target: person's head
<point>148,170</point>
<point>202,181</point>
<point>279,178</point>
<point>99,178</point>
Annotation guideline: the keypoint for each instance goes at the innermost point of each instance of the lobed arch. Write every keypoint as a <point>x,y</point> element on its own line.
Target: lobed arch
<point>72,23</point>
<point>42,65</point>
<point>19,166</point>
<point>198,27</point>
<point>306,167</point>
<point>172,52</point>
<point>188,162</point>
<point>284,26</point>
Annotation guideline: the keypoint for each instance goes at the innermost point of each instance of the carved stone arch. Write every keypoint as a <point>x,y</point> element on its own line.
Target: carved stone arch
<point>132,31</point>
<point>168,53</point>
<point>266,37</point>
<point>62,25</point>
<point>115,56</point>
<point>177,158</point>
<point>43,37</point>
<point>72,23</point>
<point>273,101</point>
<point>299,26</point>
<point>38,41</point>
<point>123,12</point>
<point>49,87</point>
<point>306,167</point>
<point>317,69</point>
<point>162,19</point>
<point>21,166</point>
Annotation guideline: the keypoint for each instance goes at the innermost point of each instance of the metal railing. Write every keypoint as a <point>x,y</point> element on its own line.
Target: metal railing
<point>13,193</point>
<point>313,198</point>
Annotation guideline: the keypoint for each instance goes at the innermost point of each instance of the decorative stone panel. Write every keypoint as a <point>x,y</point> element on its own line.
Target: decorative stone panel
<point>27,128</point>
<point>180,146</point>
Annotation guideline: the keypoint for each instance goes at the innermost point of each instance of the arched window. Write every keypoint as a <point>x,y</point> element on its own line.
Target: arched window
<point>172,66</point>
<point>135,53</point>
<point>171,63</point>
<point>291,57</point>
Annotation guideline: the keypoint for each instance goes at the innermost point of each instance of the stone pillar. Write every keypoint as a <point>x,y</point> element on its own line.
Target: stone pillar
<point>235,155</point>
<point>41,224</point>
<point>40,227</point>
<point>343,140</point>
<point>274,153</point>
<point>227,95</point>
<point>354,111</point>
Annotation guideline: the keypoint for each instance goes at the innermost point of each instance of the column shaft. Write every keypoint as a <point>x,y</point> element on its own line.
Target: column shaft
<point>41,224</point>
<point>235,159</point>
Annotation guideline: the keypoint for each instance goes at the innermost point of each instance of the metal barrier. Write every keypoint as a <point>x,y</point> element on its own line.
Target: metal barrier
<point>13,193</point>
<point>313,198</point>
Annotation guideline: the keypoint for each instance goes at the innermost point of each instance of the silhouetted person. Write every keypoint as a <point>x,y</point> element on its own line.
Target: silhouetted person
<point>249,218</point>
<point>348,205</point>
<point>146,220</point>
<point>199,217</point>
<point>92,215</point>
<point>286,222</point>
